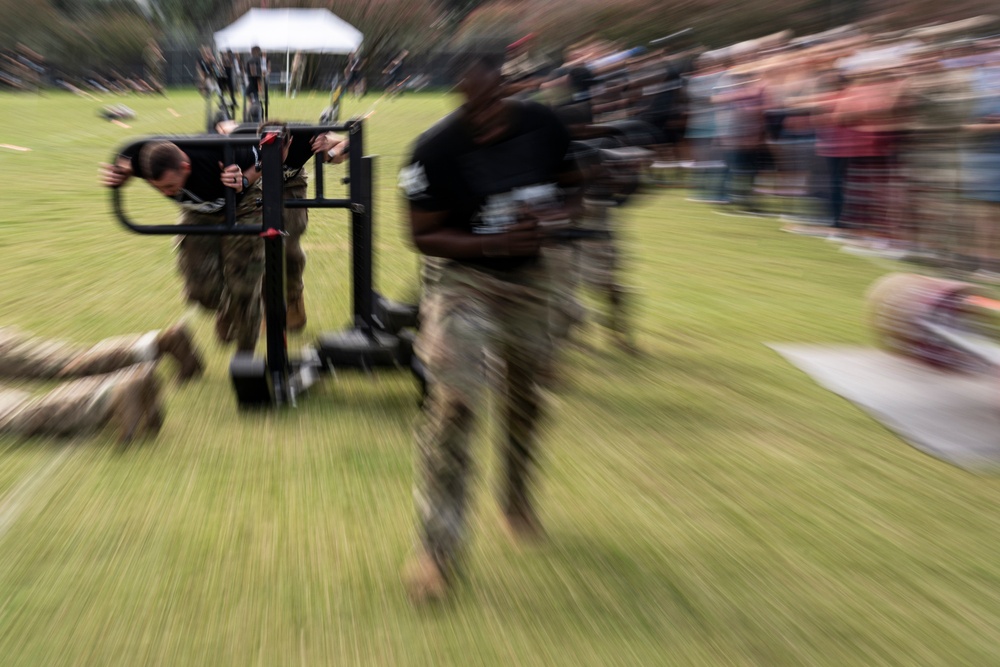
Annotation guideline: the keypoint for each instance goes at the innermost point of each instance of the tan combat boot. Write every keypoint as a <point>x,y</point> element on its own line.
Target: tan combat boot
<point>295,318</point>
<point>424,581</point>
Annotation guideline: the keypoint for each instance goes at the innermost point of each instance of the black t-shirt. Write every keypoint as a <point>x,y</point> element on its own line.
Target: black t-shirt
<point>298,153</point>
<point>482,187</point>
<point>203,192</point>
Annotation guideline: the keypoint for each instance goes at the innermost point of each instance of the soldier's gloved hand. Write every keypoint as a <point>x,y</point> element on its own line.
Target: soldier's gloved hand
<point>520,240</point>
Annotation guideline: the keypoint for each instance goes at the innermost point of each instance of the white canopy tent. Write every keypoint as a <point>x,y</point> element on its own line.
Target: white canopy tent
<point>288,30</point>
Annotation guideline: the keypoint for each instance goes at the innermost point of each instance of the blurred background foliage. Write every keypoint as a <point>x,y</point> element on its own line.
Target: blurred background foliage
<point>76,35</point>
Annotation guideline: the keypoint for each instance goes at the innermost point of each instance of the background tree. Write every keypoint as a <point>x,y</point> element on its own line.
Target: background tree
<point>83,34</point>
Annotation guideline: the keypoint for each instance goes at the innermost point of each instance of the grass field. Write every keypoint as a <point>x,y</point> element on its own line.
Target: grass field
<point>707,504</point>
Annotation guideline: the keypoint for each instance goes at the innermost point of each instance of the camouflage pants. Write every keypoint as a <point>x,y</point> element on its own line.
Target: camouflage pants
<point>76,407</point>
<point>296,220</point>
<point>73,407</point>
<point>24,356</point>
<point>567,311</point>
<point>598,263</point>
<point>467,314</point>
<point>223,273</point>
<point>430,274</point>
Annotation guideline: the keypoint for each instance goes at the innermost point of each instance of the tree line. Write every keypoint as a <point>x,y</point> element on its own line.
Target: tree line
<point>74,35</point>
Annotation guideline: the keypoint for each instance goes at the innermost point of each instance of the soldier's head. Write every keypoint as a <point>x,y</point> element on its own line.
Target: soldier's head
<point>481,84</point>
<point>165,166</point>
<point>282,128</point>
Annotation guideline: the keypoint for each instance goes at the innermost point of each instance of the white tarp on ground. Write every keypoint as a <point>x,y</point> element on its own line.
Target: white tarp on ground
<point>952,416</point>
<point>289,30</point>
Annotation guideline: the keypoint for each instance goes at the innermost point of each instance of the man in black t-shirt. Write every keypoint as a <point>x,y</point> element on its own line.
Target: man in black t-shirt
<point>226,78</point>
<point>254,69</point>
<point>207,70</point>
<point>333,147</point>
<point>296,153</point>
<point>222,273</point>
<point>297,150</point>
<point>481,186</point>
<point>352,75</point>
<point>394,73</point>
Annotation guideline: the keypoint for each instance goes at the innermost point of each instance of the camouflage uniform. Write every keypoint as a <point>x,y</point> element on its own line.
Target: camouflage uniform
<point>468,313</point>
<point>77,407</point>
<point>23,356</point>
<point>481,310</point>
<point>296,221</point>
<point>223,273</point>
<point>81,405</point>
<point>430,275</point>
<point>599,262</point>
<point>567,311</point>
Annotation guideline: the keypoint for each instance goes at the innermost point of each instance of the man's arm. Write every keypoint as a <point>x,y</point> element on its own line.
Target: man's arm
<point>235,178</point>
<point>334,147</point>
<point>431,237</point>
<point>251,173</point>
<point>989,123</point>
<point>115,175</point>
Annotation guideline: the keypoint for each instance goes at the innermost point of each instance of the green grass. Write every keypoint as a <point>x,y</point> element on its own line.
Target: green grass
<point>707,503</point>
